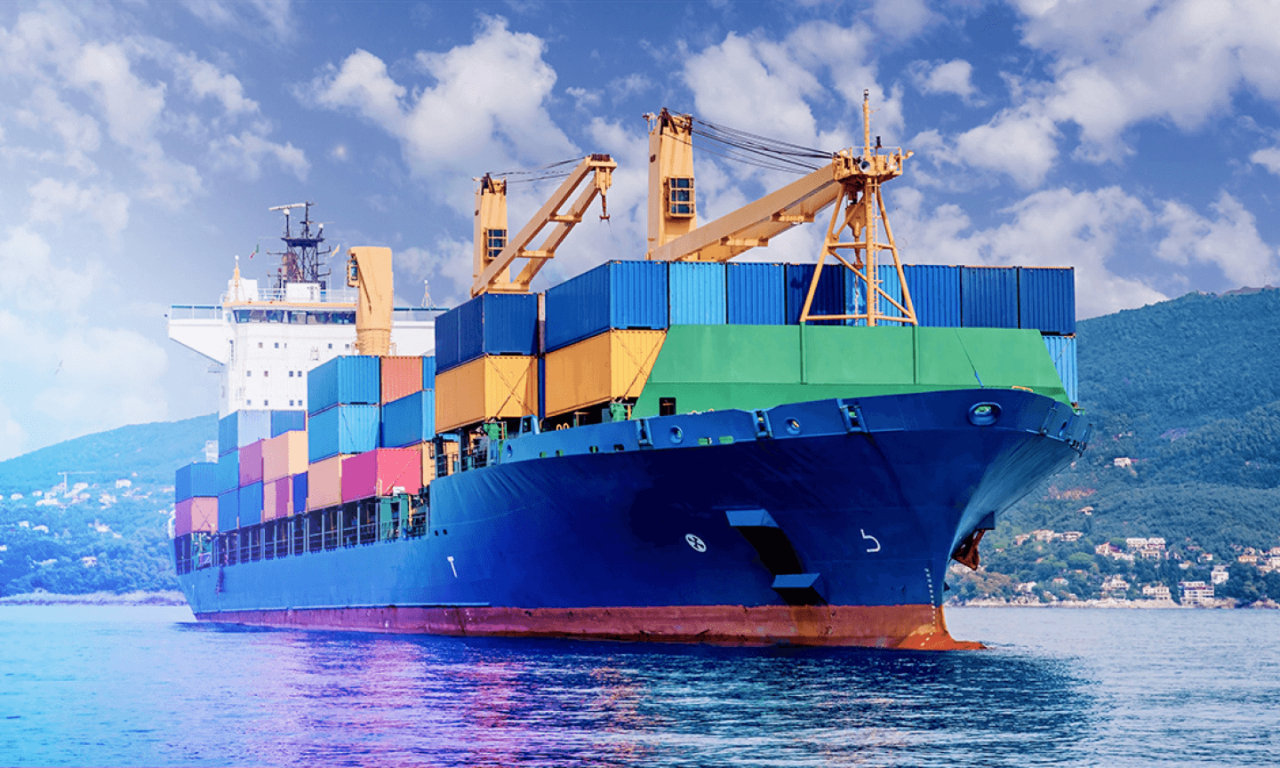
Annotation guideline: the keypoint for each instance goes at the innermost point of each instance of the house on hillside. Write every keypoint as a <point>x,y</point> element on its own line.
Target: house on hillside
<point>1195,592</point>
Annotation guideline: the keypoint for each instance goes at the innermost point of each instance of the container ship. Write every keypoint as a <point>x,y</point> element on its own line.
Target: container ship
<point>679,447</point>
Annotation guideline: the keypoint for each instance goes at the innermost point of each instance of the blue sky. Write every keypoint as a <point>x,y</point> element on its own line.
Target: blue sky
<point>141,144</point>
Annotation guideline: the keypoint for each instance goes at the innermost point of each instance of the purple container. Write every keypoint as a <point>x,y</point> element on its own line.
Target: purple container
<point>251,463</point>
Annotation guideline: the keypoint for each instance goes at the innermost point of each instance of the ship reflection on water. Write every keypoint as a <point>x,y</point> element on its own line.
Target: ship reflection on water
<point>335,697</point>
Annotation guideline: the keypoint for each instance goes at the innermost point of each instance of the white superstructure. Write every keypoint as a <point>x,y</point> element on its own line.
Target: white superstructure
<point>264,342</point>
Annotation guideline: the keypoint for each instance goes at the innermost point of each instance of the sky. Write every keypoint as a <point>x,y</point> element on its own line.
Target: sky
<point>141,144</point>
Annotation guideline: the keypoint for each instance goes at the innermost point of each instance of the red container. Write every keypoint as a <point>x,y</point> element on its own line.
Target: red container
<point>401,377</point>
<point>381,473</point>
<point>251,463</point>
<point>195,514</point>
<point>284,493</point>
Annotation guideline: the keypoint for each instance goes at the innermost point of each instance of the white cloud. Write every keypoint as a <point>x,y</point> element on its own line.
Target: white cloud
<point>1018,142</point>
<point>485,109</point>
<point>1056,227</point>
<point>1268,158</point>
<point>33,283</point>
<point>1229,241</point>
<point>1121,64</point>
<point>954,77</point>
<point>248,17</point>
<point>130,105</point>
<point>901,19</point>
<point>247,152</point>
<point>207,81</point>
<point>53,200</point>
<point>13,437</point>
<point>753,82</point>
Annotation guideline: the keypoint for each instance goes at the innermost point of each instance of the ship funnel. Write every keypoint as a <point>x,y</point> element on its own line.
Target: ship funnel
<point>369,272</point>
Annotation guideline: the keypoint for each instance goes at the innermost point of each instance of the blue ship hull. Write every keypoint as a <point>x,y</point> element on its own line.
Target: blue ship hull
<point>823,522</point>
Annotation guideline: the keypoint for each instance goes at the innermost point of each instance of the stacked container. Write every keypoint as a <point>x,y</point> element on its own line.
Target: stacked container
<point>283,458</point>
<point>485,365</point>
<point>756,293</point>
<point>344,413</point>
<point>697,293</point>
<point>195,491</point>
<point>829,299</point>
<point>605,327</point>
<point>381,472</point>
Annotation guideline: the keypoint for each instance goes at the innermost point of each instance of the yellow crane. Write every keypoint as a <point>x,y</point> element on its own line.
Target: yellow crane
<point>495,253</point>
<point>850,181</point>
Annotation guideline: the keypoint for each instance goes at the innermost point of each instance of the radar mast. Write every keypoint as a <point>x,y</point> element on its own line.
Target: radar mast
<point>300,260</point>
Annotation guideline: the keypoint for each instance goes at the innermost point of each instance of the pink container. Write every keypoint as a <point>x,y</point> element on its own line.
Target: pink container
<point>284,492</point>
<point>324,483</point>
<point>196,514</point>
<point>381,473</point>
<point>284,455</point>
<point>268,501</point>
<point>251,463</point>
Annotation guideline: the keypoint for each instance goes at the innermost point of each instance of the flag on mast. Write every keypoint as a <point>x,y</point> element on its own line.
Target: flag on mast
<point>255,250</point>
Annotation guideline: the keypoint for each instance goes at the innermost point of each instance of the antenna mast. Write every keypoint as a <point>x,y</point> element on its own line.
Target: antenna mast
<point>300,260</point>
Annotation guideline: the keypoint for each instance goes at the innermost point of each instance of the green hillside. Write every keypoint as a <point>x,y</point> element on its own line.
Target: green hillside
<point>106,529</point>
<point>1185,396</point>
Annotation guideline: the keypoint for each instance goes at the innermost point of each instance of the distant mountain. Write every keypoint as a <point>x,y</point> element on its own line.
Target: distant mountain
<point>1184,398</point>
<point>143,452</point>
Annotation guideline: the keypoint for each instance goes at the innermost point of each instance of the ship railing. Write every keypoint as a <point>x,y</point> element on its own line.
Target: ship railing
<point>195,312</point>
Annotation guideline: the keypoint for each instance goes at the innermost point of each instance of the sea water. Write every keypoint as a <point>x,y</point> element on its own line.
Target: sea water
<point>149,686</point>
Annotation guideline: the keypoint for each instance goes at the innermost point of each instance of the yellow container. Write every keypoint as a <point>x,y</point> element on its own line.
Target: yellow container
<point>496,386</point>
<point>611,366</point>
<point>429,458</point>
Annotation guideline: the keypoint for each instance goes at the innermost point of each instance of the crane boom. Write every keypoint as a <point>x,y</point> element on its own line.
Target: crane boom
<point>755,223</point>
<point>495,255</point>
<point>851,182</point>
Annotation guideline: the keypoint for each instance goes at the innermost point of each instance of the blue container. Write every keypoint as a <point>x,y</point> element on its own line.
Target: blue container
<point>1062,349</point>
<point>829,299</point>
<point>935,293</point>
<point>697,293</point>
<point>447,354</point>
<point>299,493</point>
<point>619,294</point>
<point>287,421</point>
<point>1047,299</point>
<point>229,510</point>
<point>755,294</point>
<point>989,297</point>
<point>343,429</point>
<point>492,324</point>
<point>346,380</point>
<point>250,504</point>
<point>199,478</point>
<point>428,373</point>
<point>409,420</point>
<point>228,472</point>
<point>236,430</point>
<point>856,293</point>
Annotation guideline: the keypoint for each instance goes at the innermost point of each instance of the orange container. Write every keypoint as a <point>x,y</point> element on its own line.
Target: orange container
<point>199,513</point>
<point>324,483</point>
<point>401,377</point>
<point>284,455</point>
<point>613,365</point>
<point>495,386</point>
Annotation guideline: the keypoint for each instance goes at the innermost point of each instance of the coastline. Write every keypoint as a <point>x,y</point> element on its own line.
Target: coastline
<point>165,597</point>
<point>1141,605</point>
